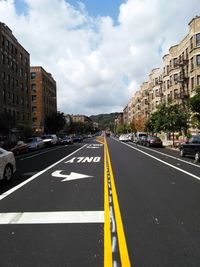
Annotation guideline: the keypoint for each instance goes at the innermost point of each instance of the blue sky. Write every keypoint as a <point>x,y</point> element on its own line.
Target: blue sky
<point>93,7</point>
<point>101,7</point>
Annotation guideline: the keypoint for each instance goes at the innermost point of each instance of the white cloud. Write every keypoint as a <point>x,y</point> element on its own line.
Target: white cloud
<point>97,64</point>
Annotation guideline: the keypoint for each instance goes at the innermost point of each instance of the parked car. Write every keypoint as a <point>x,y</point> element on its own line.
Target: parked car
<point>191,148</point>
<point>143,140</point>
<point>124,138</point>
<point>7,164</point>
<point>67,140</point>
<point>77,138</point>
<point>35,143</point>
<point>137,137</point>
<point>50,139</point>
<point>19,148</point>
<point>151,140</point>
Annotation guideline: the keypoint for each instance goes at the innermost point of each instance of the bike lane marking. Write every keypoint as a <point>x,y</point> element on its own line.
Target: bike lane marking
<point>7,193</point>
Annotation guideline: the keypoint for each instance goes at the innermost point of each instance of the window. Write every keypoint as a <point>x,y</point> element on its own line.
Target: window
<point>198,80</point>
<point>33,97</point>
<point>33,87</point>
<point>192,63</point>
<point>3,40</point>
<point>33,75</point>
<point>176,95</point>
<point>22,101</point>
<point>34,109</point>
<point>191,43</point>
<point>192,84</point>
<point>175,62</point>
<point>175,78</point>
<point>198,39</point>
<point>198,60</point>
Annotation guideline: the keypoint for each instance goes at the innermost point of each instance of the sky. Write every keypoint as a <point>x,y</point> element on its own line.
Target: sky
<point>98,51</point>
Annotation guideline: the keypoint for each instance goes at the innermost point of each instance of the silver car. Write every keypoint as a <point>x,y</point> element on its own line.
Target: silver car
<point>7,164</point>
<point>35,143</point>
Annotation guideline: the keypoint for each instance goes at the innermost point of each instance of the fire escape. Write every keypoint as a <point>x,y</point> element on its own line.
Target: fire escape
<point>183,80</point>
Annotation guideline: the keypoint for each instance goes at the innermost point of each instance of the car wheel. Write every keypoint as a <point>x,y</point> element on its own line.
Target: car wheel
<point>8,172</point>
<point>197,156</point>
<point>182,153</point>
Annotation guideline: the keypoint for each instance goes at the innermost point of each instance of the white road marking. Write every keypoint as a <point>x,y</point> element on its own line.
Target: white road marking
<point>166,163</point>
<point>84,160</point>
<point>5,194</point>
<point>69,177</point>
<point>38,154</point>
<point>52,217</point>
<point>161,153</point>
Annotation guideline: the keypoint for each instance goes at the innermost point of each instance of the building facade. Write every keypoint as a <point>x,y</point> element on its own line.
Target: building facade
<point>43,97</point>
<point>175,80</point>
<point>80,118</point>
<point>14,78</point>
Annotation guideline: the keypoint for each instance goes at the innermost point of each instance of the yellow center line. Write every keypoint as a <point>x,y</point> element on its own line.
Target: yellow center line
<point>124,256</point>
<point>107,230</point>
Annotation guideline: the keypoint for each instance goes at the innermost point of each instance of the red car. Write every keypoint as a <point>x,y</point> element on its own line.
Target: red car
<point>20,148</point>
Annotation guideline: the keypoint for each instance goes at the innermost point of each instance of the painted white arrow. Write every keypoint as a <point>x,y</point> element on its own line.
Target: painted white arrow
<point>71,176</point>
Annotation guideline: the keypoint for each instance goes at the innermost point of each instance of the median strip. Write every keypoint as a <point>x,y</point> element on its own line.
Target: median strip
<point>118,241</point>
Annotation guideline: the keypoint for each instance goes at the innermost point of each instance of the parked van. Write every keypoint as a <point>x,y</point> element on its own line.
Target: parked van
<point>50,140</point>
<point>137,137</point>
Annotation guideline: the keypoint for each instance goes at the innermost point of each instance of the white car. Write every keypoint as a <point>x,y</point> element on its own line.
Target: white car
<point>7,164</point>
<point>50,140</point>
<point>124,138</point>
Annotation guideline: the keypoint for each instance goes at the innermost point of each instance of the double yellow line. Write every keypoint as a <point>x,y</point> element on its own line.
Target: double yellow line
<point>123,250</point>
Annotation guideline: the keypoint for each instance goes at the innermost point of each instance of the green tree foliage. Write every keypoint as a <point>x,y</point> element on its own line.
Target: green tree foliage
<point>172,118</point>
<point>194,103</point>
<point>105,121</point>
<point>54,122</point>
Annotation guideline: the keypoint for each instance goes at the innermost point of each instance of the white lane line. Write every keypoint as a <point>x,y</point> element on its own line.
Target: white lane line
<point>5,194</point>
<point>52,217</point>
<point>166,163</point>
<point>38,154</point>
<point>163,154</point>
<point>167,155</point>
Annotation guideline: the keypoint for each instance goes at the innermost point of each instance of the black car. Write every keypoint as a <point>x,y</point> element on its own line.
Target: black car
<point>77,138</point>
<point>191,148</point>
<point>151,140</point>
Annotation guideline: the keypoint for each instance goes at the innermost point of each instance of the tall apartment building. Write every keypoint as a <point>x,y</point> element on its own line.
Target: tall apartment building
<point>43,97</point>
<point>176,78</point>
<point>14,78</point>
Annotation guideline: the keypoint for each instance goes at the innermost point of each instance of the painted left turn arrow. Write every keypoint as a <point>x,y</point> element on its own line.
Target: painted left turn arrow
<point>71,176</point>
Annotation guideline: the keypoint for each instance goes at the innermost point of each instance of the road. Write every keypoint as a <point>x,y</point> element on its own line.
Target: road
<point>101,203</point>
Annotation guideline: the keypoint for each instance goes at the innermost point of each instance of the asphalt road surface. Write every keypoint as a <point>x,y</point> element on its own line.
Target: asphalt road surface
<point>101,203</point>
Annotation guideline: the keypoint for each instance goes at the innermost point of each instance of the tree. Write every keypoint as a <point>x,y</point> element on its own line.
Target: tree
<point>139,124</point>
<point>54,122</point>
<point>194,103</point>
<point>172,118</point>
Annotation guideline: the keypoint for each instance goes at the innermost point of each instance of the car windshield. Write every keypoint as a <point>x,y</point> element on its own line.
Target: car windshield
<point>30,140</point>
<point>47,137</point>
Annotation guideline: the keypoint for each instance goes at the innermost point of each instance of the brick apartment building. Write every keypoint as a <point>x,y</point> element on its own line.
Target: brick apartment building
<point>14,78</point>
<point>175,79</point>
<point>43,97</point>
